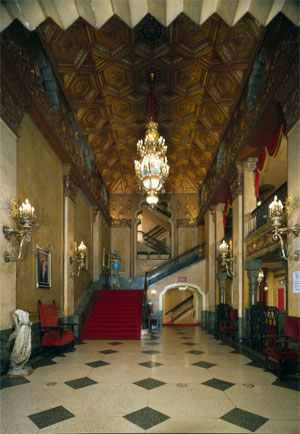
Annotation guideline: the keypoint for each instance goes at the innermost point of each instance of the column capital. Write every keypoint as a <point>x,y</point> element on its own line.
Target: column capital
<point>70,182</point>
<point>253,265</point>
<point>220,207</point>
<point>95,210</point>
<point>250,163</point>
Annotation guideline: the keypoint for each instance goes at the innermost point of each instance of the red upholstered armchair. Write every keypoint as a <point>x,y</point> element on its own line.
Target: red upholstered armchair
<point>53,333</point>
<point>229,328</point>
<point>277,348</point>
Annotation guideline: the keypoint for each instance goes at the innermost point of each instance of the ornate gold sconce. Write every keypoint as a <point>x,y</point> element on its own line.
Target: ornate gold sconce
<point>24,217</point>
<point>227,259</point>
<point>278,216</point>
<point>79,260</point>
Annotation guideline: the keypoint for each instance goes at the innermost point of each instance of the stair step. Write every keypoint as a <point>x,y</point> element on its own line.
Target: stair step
<point>117,315</point>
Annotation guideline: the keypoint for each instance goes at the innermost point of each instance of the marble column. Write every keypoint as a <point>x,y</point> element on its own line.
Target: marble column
<point>210,252</point>
<point>219,223</point>
<point>221,277</point>
<point>253,268</point>
<point>237,252</point>
<point>294,190</point>
<point>96,249</point>
<point>70,192</point>
<point>248,185</point>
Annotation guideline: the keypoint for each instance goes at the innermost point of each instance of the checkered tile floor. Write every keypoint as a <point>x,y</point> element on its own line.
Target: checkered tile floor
<point>134,388</point>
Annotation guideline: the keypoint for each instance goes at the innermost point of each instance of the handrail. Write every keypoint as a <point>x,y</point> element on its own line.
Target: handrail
<point>192,256</point>
<point>155,242</point>
<point>180,304</point>
<point>195,252</point>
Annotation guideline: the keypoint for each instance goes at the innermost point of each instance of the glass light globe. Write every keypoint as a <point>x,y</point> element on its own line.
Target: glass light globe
<point>152,199</point>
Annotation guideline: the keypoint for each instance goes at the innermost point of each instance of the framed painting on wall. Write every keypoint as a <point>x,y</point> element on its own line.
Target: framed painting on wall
<point>105,261</point>
<point>43,267</point>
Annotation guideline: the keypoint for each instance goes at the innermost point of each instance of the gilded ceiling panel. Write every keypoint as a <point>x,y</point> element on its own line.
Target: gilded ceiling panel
<point>200,71</point>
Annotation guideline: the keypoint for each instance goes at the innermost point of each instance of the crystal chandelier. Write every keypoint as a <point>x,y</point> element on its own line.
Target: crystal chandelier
<point>152,170</point>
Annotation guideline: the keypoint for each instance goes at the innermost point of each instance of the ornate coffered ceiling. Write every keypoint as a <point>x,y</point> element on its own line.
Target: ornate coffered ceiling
<point>201,72</point>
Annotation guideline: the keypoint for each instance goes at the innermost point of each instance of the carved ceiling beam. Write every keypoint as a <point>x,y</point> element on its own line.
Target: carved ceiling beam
<point>23,84</point>
<point>282,85</point>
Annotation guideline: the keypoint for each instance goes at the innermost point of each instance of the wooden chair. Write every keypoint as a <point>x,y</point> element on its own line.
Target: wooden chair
<point>229,328</point>
<point>277,348</point>
<point>53,333</point>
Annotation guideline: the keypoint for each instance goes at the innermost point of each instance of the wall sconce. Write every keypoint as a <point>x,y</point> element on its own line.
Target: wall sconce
<point>277,217</point>
<point>25,217</point>
<point>80,259</point>
<point>225,252</point>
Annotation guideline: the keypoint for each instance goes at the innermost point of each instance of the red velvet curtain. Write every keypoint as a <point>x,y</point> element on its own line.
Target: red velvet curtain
<point>270,150</point>
<point>228,205</point>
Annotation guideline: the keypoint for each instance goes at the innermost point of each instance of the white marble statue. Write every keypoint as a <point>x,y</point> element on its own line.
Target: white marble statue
<point>22,347</point>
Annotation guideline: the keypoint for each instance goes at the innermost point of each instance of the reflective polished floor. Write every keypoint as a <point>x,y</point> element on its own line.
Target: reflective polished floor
<point>181,381</point>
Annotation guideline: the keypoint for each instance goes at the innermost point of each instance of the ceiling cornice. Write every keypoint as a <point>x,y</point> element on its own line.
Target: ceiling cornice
<point>96,12</point>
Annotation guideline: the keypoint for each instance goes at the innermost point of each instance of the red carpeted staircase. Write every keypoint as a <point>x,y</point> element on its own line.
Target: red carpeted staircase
<point>117,315</point>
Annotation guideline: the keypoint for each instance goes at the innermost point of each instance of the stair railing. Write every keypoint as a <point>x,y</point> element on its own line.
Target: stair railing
<point>178,306</point>
<point>196,254</point>
<point>155,243</point>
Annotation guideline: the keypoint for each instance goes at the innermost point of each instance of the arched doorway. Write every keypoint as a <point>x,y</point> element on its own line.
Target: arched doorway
<point>192,300</point>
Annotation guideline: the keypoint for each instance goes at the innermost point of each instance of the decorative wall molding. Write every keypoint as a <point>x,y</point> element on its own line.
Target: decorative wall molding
<point>20,76</point>
<point>12,105</point>
<point>186,223</point>
<point>121,222</point>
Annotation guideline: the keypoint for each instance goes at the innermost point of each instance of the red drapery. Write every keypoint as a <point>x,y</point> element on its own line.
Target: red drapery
<point>228,205</point>
<point>270,150</point>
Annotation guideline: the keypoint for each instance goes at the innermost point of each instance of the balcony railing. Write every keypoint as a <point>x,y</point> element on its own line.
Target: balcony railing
<point>258,217</point>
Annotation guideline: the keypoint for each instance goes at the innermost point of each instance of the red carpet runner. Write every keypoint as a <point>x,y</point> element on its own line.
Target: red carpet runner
<point>117,315</point>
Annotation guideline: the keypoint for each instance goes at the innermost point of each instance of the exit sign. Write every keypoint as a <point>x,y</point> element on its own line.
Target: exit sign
<point>181,279</point>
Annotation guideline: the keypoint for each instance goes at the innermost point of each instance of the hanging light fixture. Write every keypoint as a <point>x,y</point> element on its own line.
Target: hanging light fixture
<point>152,170</point>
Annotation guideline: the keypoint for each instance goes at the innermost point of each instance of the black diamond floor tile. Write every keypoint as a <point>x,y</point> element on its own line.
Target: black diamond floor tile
<point>80,382</point>
<point>41,361</point>
<point>244,419</point>
<point>292,384</point>
<point>151,352</point>
<point>108,351</point>
<point>146,417</point>
<point>195,352</point>
<point>149,383</point>
<point>218,384</point>
<point>97,364</point>
<point>204,364</point>
<point>51,416</point>
<point>6,381</point>
<point>150,364</point>
<point>115,343</point>
<point>184,337</point>
<point>152,343</point>
<point>188,343</point>
<point>257,364</point>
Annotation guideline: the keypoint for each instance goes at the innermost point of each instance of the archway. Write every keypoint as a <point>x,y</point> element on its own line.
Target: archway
<point>199,298</point>
<point>153,223</point>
